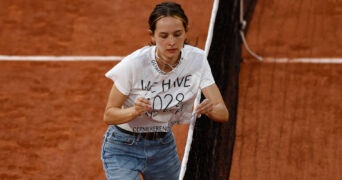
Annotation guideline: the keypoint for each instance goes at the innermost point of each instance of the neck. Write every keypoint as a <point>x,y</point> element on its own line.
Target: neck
<point>165,66</point>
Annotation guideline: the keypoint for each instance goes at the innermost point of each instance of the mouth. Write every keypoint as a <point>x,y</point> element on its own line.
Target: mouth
<point>171,50</point>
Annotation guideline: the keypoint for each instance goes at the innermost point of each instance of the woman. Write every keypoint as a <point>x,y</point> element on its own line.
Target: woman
<point>155,88</point>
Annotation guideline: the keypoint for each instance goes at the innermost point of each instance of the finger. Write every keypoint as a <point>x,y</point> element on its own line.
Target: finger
<point>201,108</point>
<point>142,101</point>
<point>205,107</point>
<point>142,104</point>
<point>204,103</point>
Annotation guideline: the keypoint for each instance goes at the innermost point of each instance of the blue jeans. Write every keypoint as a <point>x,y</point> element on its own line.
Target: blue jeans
<point>124,156</point>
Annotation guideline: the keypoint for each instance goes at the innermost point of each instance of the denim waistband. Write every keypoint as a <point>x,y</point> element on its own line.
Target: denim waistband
<point>148,136</point>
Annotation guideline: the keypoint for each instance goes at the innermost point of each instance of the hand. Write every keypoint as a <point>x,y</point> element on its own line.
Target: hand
<point>205,107</point>
<point>142,105</point>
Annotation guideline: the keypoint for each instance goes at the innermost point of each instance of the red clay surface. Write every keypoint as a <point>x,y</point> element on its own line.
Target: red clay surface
<point>289,115</point>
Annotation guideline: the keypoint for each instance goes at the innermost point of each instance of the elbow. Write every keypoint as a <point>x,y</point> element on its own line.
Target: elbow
<point>112,117</point>
<point>224,117</point>
<point>220,114</point>
<point>106,118</point>
<point>226,114</point>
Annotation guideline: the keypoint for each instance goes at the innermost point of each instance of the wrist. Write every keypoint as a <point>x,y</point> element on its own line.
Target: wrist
<point>134,114</point>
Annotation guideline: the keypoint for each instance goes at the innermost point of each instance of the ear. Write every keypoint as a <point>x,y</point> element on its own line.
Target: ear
<point>187,28</point>
<point>186,34</point>
<point>152,36</point>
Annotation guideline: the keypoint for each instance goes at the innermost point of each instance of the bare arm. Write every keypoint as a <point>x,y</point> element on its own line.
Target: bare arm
<point>213,106</point>
<point>114,114</point>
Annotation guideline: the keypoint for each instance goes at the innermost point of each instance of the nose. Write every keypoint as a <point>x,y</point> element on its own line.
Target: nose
<point>172,40</point>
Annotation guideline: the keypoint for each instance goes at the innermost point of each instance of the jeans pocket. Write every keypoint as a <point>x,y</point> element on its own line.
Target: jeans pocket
<point>117,137</point>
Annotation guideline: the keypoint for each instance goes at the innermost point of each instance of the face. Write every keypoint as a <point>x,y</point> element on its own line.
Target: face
<point>169,37</point>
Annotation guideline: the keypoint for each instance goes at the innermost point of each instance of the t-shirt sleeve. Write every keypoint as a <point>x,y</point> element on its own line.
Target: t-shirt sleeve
<point>121,74</point>
<point>207,78</point>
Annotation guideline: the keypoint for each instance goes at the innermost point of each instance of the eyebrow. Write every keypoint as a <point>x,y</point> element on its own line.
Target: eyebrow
<point>172,32</point>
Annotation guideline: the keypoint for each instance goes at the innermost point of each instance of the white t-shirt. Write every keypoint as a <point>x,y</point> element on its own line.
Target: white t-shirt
<point>172,94</point>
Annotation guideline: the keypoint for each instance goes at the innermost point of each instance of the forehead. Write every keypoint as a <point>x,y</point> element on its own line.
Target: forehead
<point>169,24</point>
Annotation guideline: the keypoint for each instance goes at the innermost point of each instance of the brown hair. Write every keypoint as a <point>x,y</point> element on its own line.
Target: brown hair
<point>167,9</point>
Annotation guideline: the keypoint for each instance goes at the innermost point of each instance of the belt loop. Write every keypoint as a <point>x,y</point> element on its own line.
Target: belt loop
<point>138,137</point>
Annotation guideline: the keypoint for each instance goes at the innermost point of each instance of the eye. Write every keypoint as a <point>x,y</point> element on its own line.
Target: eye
<point>163,35</point>
<point>178,33</point>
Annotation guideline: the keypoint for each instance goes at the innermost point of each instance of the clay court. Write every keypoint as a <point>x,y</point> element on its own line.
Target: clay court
<point>289,111</point>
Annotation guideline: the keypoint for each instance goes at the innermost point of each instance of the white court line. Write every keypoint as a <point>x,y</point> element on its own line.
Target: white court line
<point>118,58</point>
<point>304,60</point>
<point>60,58</point>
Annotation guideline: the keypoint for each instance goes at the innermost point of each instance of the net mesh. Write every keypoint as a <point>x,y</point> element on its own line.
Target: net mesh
<point>206,159</point>
<point>284,114</point>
